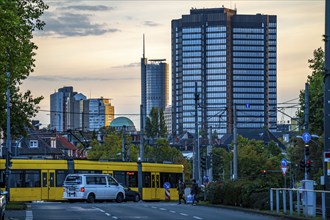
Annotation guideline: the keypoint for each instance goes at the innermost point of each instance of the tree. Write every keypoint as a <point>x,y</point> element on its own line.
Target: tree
<point>18,20</point>
<point>155,124</point>
<point>316,116</point>
<point>316,94</point>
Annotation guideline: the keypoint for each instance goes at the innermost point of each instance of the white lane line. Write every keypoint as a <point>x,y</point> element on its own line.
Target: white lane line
<point>114,217</point>
<point>108,214</point>
<point>154,207</point>
<point>29,215</point>
<point>162,209</point>
<point>183,214</point>
<point>196,217</point>
<point>172,211</point>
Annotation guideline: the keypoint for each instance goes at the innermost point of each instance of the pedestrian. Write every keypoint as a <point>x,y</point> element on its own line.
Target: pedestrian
<point>181,188</point>
<point>194,190</point>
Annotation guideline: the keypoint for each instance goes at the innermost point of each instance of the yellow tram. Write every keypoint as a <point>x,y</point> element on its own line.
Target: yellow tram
<point>42,180</point>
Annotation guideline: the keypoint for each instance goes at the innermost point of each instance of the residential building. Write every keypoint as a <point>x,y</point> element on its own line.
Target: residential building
<point>154,84</point>
<point>223,59</point>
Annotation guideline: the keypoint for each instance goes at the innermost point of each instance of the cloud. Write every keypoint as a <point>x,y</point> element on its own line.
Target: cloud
<point>88,8</point>
<point>68,21</point>
<point>128,65</point>
<point>80,78</point>
<point>151,24</point>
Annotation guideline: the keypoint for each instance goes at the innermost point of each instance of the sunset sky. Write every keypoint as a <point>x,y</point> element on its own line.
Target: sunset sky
<point>95,46</point>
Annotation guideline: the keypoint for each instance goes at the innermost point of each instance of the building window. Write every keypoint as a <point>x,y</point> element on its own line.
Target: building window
<point>33,143</point>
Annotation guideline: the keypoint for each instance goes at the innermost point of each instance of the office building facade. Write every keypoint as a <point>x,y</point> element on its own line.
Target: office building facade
<point>223,59</point>
<point>98,113</point>
<point>154,84</point>
<point>59,108</point>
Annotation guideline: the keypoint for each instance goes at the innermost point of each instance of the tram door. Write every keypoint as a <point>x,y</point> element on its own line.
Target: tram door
<point>155,186</point>
<point>48,185</point>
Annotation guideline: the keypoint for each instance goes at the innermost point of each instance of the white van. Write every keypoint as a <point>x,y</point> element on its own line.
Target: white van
<point>91,187</point>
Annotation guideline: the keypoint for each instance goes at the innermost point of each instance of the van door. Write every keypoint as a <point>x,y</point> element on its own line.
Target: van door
<point>48,191</point>
<point>155,186</point>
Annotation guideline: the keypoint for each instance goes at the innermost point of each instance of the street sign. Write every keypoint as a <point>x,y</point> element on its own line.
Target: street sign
<point>167,185</point>
<point>284,169</point>
<point>284,162</point>
<point>306,137</point>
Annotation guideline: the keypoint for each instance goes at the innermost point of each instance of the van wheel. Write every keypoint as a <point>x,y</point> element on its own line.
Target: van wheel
<point>91,198</point>
<point>136,198</point>
<point>120,198</point>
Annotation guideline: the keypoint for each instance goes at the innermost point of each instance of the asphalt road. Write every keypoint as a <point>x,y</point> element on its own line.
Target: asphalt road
<point>129,211</point>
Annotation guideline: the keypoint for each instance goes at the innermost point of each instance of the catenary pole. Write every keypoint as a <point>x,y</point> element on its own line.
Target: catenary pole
<point>327,102</point>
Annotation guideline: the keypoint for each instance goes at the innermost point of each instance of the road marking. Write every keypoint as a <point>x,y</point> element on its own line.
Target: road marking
<point>108,214</point>
<point>154,207</point>
<point>172,211</point>
<point>114,217</point>
<point>197,217</point>
<point>184,214</point>
<point>162,209</point>
<point>29,215</point>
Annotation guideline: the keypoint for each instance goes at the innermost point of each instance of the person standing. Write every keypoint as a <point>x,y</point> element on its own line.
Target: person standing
<point>181,188</point>
<point>194,190</point>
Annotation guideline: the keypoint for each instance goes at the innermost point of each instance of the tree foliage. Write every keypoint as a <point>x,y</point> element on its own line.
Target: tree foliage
<point>155,124</point>
<point>316,94</point>
<point>18,20</point>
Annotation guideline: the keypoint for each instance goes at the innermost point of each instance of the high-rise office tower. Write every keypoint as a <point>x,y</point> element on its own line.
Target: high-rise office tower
<point>59,108</point>
<point>98,113</point>
<point>232,58</point>
<point>154,83</point>
<point>75,111</point>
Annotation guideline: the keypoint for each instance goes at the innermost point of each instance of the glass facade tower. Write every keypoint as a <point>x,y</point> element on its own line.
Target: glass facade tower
<point>233,60</point>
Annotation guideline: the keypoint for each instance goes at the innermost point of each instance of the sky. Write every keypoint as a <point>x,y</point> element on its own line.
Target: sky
<point>96,46</point>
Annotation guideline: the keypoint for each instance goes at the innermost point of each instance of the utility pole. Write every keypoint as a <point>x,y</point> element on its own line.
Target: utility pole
<point>123,145</point>
<point>235,176</point>
<point>8,140</point>
<point>196,163</point>
<point>141,152</point>
<point>209,169</point>
<point>306,148</point>
<point>327,103</point>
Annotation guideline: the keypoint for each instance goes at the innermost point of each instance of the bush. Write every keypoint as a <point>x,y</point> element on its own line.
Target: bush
<point>245,193</point>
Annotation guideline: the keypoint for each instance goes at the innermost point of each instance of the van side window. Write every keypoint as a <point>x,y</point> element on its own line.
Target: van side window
<point>111,181</point>
<point>100,180</point>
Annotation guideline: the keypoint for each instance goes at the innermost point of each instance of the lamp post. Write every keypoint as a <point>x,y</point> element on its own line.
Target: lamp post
<point>8,140</point>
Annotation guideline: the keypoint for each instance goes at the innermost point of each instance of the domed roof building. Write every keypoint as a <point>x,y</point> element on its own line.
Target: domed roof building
<point>120,122</point>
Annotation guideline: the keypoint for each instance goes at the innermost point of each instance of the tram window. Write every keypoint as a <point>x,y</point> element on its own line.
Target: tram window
<point>132,179</point>
<point>28,178</point>
<point>120,177</point>
<point>146,180</point>
<point>172,178</point>
<point>60,177</point>
<point>2,179</point>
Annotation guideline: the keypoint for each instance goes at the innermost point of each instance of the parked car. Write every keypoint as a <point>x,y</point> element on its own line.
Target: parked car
<point>91,187</point>
<point>131,195</point>
<point>3,203</point>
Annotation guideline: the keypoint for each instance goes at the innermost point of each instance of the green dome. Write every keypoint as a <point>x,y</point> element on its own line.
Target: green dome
<point>121,121</point>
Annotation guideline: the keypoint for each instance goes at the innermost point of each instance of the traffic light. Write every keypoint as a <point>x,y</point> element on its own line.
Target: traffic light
<point>308,165</point>
<point>264,173</point>
<point>302,164</point>
<point>203,163</point>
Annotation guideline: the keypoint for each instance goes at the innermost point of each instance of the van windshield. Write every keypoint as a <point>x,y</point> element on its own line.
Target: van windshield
<point>73,180</point>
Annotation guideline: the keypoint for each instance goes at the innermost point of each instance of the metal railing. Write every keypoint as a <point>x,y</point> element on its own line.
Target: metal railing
<point>305,200</point>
